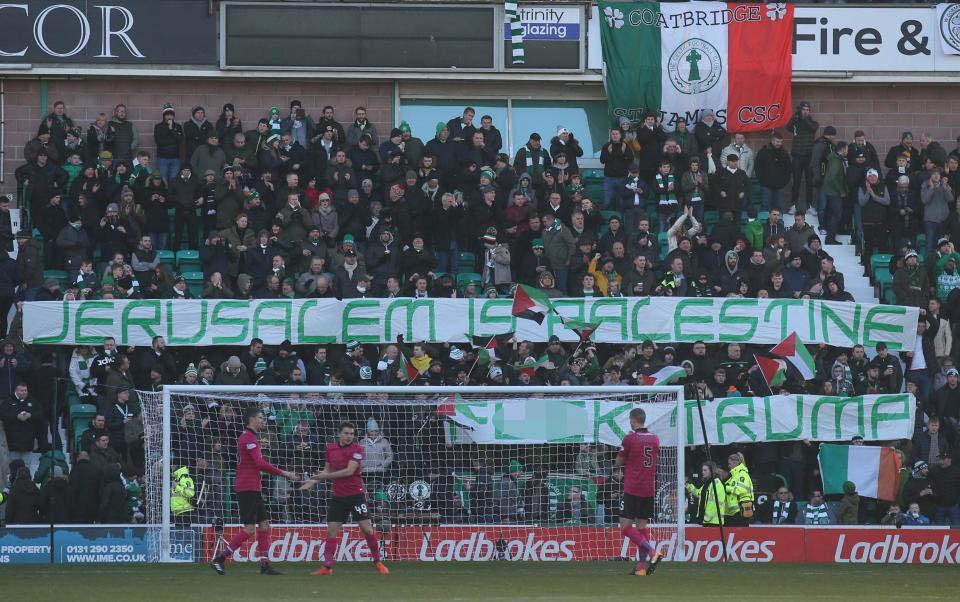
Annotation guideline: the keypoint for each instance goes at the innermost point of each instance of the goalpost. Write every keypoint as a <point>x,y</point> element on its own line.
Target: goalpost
<point>521,473</point>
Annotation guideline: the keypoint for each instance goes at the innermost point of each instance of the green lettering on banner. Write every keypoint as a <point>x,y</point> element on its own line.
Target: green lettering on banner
<point>349,321</point>
<point>772,435</point>
<point>486,319</point>
<point>783,305</point>
<point>470,317</point>
<point>411,306</point>
<point>308,339</point>
<point>742,422</point>
<point>877,416</point>
<point>555,322</point>
<point>749,321</point>
<point>679,320</point>
<point>839,404</point>
<point>810,318</point>
<point>80,321</point>
<point>620,318</point>
<point>635,333</point>
<point>284,322</point>
<point>870,324</point>
<point>690,405</point>
<point>609,419</point>
<point>243,322</point>
<point>193,339</point>
<point>64,329</point>
<point>851,331</point>
<point>635,329</point>
<point>145,322</point>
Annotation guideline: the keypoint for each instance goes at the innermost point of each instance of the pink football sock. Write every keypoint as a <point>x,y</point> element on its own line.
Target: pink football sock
<point>263,545</point>
<point>329,551</point>
<point>374,544</point>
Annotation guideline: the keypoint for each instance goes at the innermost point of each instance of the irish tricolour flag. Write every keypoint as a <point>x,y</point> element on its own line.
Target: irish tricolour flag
<point>679,59</point>
<point>874,470</point>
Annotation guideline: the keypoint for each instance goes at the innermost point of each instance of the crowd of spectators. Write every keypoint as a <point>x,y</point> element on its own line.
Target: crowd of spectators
<point>303,206</point>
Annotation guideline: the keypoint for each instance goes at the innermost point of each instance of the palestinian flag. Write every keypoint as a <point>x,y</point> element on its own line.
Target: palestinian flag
<point>409,368</point>
<point>794,351</point>
<point>874,470</point>
<point>583,329</point>
<point>663,376</point>
<point>774,371</point>
<point>530,366</point>
<point>490,348</point>
<point>680,59</point>
<point>531,304</point>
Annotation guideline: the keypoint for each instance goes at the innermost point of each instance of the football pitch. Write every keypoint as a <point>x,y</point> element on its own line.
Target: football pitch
<point>485,581</point>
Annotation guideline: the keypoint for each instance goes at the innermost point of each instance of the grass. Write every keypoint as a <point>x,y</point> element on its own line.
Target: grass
<point>484,581</point>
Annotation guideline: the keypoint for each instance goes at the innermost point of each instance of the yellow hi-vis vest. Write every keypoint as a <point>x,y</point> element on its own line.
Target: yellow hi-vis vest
<point>739,489</point>
<point>183,492</point>
<point>715,500</point>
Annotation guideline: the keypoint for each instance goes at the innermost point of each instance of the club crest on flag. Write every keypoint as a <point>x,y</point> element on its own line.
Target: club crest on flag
<point>695,66</point>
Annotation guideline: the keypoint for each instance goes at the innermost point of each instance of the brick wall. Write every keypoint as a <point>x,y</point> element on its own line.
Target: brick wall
<point>86,98</point>
<point>882,111</point>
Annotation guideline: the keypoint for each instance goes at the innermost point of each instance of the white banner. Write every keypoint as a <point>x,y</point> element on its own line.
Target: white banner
<point>324,321</point>
<point>832,38</point>
<point>948,18</point>
<point>729,420</point>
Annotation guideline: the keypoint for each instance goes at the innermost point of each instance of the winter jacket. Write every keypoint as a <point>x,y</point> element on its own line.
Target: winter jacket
<point>936,202</point>
<point>835,176</point>
<point>616,159</point>
<point>558,247</point>
<point>910,286</point>
<point>84,492</point>
<point>746,162</point>
<point>822,149</point>
<point>774,167</point>
<point>113,495</point>
<point>195,135</point>
<point>499,272</point>
<point>804,130</point>
<point>377,455</point>
<point>170,141</point>
<point>713,136</point>
<point>23,503</point>
<point>30,263</point>
<point>20,433</point>
<point>125,139</point>
<point>874,205</point>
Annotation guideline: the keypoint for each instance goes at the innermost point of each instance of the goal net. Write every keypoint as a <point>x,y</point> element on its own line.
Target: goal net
<point>452,473</point>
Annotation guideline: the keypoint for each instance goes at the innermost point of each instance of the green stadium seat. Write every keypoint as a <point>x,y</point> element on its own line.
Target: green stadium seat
<point>194,282</point>
<point>59,275</point>
<point>166,257</point>
<point>467,261</point>
<point>879,262</point>
<point>188,260</point>
<point>80,416</point>
<point>889,297</point>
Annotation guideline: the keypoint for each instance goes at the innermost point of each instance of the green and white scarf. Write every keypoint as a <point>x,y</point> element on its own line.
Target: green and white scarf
<point>667,197</point>
<point>512,16</point>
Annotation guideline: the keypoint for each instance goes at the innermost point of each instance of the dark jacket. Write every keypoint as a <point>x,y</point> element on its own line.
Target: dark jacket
<point>20,433</point>
<point>170,141</point>
<point>804,132</point>
<point>773,167</point>
<point>112,508</point>
<point>84,492</point>
<point>23,504</point>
